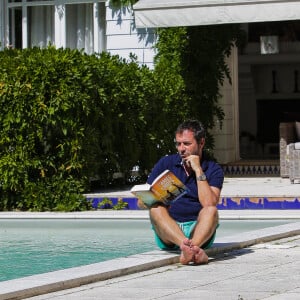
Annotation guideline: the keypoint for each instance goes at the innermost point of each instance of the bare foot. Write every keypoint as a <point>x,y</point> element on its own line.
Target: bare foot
<point>187,253</point>
<point>200,257</point>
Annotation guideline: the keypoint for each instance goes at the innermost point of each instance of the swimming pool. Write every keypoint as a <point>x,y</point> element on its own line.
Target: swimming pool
<point>35,246</point>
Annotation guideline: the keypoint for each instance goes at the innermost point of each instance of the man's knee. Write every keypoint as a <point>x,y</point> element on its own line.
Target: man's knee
<point>158,211</point>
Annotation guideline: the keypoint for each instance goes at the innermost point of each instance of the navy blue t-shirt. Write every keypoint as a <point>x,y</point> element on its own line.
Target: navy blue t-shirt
<point>188,206</point>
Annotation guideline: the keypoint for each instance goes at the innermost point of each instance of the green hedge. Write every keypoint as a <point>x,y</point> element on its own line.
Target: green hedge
<point>67,117</point>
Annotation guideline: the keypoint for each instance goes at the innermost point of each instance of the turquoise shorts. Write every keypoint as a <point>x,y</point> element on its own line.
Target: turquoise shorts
<point>187,229</point>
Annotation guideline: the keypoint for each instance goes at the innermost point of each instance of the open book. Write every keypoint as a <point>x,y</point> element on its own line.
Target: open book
<point>165,188</point>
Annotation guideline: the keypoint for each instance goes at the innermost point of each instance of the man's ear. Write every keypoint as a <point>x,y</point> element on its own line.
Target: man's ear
<point>202,142</point>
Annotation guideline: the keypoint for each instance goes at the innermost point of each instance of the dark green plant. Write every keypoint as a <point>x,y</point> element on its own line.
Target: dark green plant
<point>119,3</point>
<point>105,204</point>
<point>196,57</point>
<point>121,204</point>
<point>67,117</point>
<point>44,104</point>
<point>54,194</point>
<point>129,127</point>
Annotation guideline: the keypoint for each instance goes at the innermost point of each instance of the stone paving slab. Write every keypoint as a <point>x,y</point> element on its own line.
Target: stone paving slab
<point>256,187</point>
<point>265,271</point>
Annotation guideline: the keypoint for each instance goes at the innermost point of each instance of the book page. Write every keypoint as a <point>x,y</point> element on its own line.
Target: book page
<point>168,187</point>
<point>147,197</point>
<point>165,188</point>
<point>141,187</point>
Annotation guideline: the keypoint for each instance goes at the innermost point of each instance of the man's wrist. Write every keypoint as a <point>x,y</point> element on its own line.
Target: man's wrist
<point>201,177</point>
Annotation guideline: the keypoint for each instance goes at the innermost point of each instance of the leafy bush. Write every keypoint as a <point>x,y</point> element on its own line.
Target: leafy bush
<point>44,100</point>
<point>67,117</point>
<point>196,57</point>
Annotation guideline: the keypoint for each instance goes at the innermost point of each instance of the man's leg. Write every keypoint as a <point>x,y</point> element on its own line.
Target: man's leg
<point>206,225</point>
<point>170,233</point>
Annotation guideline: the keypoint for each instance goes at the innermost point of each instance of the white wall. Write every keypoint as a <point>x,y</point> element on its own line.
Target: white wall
<point>226,138</point>
<point>123,38</point>
<point>2,24</point>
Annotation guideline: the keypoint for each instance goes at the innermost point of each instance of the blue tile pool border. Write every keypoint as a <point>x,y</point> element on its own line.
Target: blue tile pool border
<point>225,202</point>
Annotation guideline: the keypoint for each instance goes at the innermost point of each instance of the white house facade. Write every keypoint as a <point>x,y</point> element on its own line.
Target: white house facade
<point>90,25</point>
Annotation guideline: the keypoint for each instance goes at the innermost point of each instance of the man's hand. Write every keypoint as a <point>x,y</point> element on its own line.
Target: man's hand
<point>193,162</point>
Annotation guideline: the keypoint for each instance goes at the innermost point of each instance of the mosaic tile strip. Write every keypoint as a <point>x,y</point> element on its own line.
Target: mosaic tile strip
<point>229,203</point>
<point>240,170</point>
<point>96,202</point>
<point>258,203</point>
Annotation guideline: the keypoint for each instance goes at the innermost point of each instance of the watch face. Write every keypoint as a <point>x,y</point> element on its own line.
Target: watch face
<point>201,177</point>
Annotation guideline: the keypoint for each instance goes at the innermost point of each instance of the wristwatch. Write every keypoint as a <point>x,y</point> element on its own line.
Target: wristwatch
<point>201,177</point>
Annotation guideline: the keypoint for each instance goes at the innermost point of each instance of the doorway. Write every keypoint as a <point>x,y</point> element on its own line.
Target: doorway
<point>269,90</point>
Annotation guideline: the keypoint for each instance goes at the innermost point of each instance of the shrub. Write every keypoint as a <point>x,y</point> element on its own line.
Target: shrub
<point>44,96</point>
<point>67,117</point>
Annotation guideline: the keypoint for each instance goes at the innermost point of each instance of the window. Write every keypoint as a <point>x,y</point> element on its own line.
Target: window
<point>40,26</point>
<point>79,27</point>
<point>66,23</point>
<point>15,25</point>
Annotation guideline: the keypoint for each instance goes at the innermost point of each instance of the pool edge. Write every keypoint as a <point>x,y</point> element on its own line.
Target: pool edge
<point>144,214</point>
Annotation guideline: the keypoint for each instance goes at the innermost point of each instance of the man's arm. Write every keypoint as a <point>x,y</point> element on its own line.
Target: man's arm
<point>207,195</point>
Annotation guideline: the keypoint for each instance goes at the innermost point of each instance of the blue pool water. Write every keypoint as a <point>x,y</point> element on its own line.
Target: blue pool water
<point>29,247</point>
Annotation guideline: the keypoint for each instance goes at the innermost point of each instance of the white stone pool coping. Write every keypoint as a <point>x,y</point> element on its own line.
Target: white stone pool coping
<point>143,214</point>
<point>74,277</point>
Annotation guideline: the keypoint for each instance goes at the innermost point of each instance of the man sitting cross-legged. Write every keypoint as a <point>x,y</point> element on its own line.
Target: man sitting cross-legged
<point>190,222</point>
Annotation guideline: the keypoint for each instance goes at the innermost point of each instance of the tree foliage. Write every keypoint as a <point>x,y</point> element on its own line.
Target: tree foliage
<point>67,117</point>
<point>196,57</point>
<point>43,115</point>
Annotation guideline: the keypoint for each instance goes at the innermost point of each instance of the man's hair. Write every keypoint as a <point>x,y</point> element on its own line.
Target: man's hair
<point>193,125</point>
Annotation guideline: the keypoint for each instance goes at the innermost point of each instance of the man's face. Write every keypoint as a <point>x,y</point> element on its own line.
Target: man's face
<point>187,145</point>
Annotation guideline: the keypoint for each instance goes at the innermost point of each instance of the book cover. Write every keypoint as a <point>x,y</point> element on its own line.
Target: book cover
<point>166,188</point>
